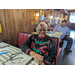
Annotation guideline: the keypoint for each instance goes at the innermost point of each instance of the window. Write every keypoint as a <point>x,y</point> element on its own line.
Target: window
<point>72,17</point>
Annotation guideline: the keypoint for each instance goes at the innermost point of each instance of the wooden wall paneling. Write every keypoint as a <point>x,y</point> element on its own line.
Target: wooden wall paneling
<point>35,19</point>
<point>1,13</point>
<point>7,26</point>
<point>33,26</point>
<point>10,26</point>
<point>24,20</point>
<point>31,18</point>
<point>3,35</point>
<point>16,27</point>
<point>28,20</point>
<point>14,20</point>
<point>20,19</point>
<point>31,14</point>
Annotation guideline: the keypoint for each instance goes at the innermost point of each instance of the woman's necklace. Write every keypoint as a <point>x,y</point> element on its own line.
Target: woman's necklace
<point>40,40</point>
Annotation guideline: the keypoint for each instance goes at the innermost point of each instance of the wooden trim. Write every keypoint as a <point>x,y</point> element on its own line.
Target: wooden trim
<point>48,12</point>
<point>66,11</point>
<point>71,10</point>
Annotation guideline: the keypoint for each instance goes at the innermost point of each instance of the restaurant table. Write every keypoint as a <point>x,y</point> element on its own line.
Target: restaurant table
<point>9,52</point>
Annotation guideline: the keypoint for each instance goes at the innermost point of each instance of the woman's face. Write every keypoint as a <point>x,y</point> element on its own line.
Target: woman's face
<point>42,30</point>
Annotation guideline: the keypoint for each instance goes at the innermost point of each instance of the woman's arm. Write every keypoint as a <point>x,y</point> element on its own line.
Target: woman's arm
<point>52,54</point>
<point>26,49</point>
<point>26,46</point>
<point>49,60</point>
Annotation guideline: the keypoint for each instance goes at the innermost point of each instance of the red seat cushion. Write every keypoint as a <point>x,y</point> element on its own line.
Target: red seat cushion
<point>61,43</point>
<point>27,36</point>
<point>56,42</point>
<point>22,38</point>
<point>19,39</point>
<point>58,50</point>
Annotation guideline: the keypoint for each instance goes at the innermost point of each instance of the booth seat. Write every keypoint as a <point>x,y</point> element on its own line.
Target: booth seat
<point>58,49</point>
<point>61,43</point>
<point>22,37</point>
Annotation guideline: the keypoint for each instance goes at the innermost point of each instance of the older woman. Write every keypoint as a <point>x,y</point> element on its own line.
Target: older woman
<point>41,46</point>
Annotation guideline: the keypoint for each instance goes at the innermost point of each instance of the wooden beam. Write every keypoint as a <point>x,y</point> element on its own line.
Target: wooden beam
<point>63,11</point>
<point>48,12</point>
<point>66,11</point>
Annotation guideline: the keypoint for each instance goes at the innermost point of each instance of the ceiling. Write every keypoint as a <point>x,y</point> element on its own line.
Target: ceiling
<point>70,9</point>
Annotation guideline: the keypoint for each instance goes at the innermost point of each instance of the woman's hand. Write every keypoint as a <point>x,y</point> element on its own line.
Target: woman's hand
<point>38,57</point>
<point>40,63</point>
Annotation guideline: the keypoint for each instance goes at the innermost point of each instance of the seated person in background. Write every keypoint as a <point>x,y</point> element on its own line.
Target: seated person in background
<point>41,46</point>
<point>65,36</point>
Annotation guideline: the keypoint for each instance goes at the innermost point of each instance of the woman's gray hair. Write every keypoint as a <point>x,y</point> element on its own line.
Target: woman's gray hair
<point>36,29</point>
<point>43,23</point>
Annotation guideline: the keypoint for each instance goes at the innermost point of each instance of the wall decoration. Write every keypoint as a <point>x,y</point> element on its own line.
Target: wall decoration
<point>0,28</point>
<point>32,22</point>
<point>66,17</point>
<point>42,17</point>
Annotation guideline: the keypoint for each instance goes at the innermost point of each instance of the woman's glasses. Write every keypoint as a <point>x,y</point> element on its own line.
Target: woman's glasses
<point>42,30</point>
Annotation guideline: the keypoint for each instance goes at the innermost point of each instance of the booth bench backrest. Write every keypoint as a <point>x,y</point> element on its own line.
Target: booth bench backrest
<point>24,36</point>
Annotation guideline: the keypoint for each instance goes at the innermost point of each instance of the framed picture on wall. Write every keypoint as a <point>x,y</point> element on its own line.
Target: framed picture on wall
<point>42,16</point>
